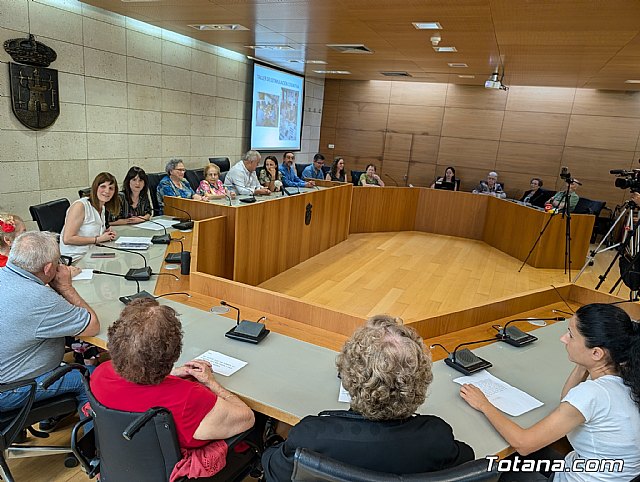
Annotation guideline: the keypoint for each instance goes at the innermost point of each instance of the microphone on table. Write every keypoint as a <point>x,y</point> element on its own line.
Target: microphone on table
<point>158,238</point>
<point>250,199</point>
<point>392,179</point>
<point>465,361</point>
<point>245,330</point>
<point>183,225</point>
<point>138,294</point>
<point>514,336</point>
<point>134,274</point>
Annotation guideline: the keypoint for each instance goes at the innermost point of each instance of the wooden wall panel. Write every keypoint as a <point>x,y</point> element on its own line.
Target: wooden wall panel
<point>425,149</point>
<point>383,210</point>
<point>330,114</point>
<point>607,103</point>
<point>364,116</point>
<point>536,160</point>
<point>541,99</point>
<point>410,93</point>
<point>421,174</point>
<point>397,147</point>
<point>365,91</point>
<point>479,154</point>
<point>360,144</point>
<point>472,123</point>
<point>535,127</point>
<point>598,132</point>
<point>394,173</point>
<point>470,97</point>
<point>418,120</point>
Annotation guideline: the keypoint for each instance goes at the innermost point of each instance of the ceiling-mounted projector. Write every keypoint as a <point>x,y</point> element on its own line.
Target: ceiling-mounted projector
<point>493,82</point>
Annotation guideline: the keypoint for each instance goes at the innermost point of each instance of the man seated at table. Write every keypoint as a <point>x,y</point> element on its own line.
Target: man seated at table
<point>40,307</point>
<point>288,170</point>
<point>386,371</point>
<point>242,177</point>
<point>314,170</point>
<point>558,200</point>
<point>491,186</point>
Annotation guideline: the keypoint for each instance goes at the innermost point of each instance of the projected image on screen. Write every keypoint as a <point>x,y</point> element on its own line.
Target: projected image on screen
<point>289,114</point>
<point>267,110</point>
<point>277,109</point>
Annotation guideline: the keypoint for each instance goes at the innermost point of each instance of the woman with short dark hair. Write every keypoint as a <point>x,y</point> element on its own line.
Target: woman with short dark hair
<point>386,371</point>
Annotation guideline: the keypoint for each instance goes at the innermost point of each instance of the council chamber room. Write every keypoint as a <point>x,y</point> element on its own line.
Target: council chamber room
<point>339,240</point>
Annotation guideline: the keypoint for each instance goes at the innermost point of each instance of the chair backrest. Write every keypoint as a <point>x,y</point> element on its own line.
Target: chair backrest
<point>222,162</point>
<point>154,180</point>
<point>223,176</point>
<point>194,176</point>
<point>84,192</point>
<point>587,206</point>
<point>151,453</point>
<point>300,168</point>
<point>355,177</point>
<point>50,216</point>
<point>310,466</point>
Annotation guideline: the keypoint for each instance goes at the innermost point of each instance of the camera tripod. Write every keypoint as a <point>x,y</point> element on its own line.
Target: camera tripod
<point>628,247</point>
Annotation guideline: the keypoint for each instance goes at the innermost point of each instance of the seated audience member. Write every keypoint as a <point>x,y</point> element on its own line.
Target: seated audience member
<point>40,307</point>
<point>174,183</point>
<point>558,200</point>
<point>11,226</point>
<point>85,223</point>
<point>211,186</point>
<point>314,170</point>
<point>370,178</point>
<point>535,196</point>
<point>448,182</point>
<point>491,186</point>
<point>270,176</point>
<point>242,178</point>
<point>135,206</point>
<point>337,172</point>
<point>144,343</point>
<point>288,170</point>
<point>600,407</point>
<point>386,371</point>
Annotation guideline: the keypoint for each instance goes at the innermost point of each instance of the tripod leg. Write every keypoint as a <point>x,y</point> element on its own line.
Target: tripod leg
<point>537,241</point>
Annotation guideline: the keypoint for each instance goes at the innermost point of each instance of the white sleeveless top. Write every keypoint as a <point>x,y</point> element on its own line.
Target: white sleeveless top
<point>93,225</point>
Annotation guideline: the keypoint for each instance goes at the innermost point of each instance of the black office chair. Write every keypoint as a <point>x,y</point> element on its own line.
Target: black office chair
<point>154,180</point>
<point>194,176</point>
<point>143,446</point>
<point>13,422</point>
<point>325,170</point>
<point>601,224</point>
<point>50,216</point>
<point>300,168</point>
<point>355,177</point>
<point>223,176</point>
<point>310,466</point>
<point>222,162</point>
<point>84,192</point>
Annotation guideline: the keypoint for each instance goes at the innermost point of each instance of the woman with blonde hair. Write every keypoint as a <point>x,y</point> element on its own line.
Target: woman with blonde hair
<point>11,226</point>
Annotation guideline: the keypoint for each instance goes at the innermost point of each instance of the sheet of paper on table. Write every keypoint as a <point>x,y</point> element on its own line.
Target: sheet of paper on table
<point>503,396</point>
<point>84,274</point>
<point>165,223</point>
<point>221,363</point>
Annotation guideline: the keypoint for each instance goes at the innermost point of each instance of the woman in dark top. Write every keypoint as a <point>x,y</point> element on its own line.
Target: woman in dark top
<point>337,173</point>
<point>135,206</point>
<point>447,182</point>
<point>535,196</point>
<point>386,370</point>
<point>270,176</point>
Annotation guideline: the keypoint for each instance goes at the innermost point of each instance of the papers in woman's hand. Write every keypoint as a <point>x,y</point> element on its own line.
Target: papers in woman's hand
<point>222,364</point>
<point>503,396</point>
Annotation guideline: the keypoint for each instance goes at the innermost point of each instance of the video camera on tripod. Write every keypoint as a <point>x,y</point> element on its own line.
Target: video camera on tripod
<point>627,179</point>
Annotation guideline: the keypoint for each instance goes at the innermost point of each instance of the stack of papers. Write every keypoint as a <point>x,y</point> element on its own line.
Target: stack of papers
<point>130,242</point>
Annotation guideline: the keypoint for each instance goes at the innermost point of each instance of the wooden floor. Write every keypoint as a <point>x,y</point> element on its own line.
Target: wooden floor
<point>408,274</point>
<point>414,275</point>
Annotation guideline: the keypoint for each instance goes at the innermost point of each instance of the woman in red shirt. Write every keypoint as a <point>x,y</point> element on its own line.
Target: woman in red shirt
<point>11,226</point>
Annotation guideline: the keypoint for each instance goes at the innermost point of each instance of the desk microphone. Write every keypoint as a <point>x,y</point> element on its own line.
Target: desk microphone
<point>514,336</point>
<point>183,258</point>
<point>139,294</point>
<point>250,199</point>
<point>245,330</point>
<point>183,225</point>
<point>158,238</point>
<point>392,179</point>
<point>134,274</point>
<point>464,360</point>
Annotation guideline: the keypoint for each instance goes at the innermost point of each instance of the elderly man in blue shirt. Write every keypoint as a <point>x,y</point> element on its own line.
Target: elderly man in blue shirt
<point>289,176</point>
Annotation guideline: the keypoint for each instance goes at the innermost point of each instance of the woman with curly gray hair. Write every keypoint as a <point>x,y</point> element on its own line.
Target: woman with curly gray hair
<point>386,370</point>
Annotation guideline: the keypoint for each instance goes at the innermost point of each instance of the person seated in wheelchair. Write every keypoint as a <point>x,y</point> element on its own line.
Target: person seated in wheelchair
<point>145,342</point>
<point>386,370</point>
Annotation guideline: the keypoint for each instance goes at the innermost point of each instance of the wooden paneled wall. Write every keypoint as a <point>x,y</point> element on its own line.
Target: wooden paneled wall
<point>412,131</point>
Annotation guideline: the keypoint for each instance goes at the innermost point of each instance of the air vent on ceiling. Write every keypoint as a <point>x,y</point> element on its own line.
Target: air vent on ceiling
<point>351,48</point>
<point>396,74</point>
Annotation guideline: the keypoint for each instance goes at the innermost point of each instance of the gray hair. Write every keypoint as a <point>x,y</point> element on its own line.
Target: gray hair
<point>493,174</point>
<point>251,156</point>
<point>33,250</point>
<point>172,164</point>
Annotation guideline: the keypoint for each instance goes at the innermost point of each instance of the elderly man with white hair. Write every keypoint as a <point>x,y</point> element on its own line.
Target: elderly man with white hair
<point>242,178</point>
<point>40,307</point>
<point>491,186</point>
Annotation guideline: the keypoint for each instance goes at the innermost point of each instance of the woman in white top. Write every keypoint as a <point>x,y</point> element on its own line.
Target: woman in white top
<point>600,407</point>
<point>85,224</point>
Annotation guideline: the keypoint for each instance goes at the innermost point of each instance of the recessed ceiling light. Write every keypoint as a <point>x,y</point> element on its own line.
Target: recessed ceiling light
<point>457,65</point>
<point>467,76</point>
<point>632,81</point>
<point>218,26</point>
<point>445,49</point>
<point>296,61</point>
<point>427,25</point>
<point>343,72</point>
<point>270,47</point>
